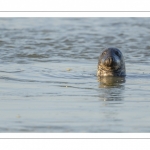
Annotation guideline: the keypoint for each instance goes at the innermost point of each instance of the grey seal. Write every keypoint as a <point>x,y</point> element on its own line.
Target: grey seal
<point>111,63</point>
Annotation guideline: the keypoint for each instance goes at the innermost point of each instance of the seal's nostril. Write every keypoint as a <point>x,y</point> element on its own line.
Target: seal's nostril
<point>109,61</point>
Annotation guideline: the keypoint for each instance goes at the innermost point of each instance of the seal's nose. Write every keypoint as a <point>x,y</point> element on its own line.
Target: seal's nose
<point>109,61</point>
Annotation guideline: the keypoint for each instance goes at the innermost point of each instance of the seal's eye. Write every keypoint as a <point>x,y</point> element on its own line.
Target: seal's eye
<point>104,53</point>
<point>117,53</point>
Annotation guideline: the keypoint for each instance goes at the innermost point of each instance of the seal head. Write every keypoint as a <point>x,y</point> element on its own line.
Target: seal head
<point>111,63</point>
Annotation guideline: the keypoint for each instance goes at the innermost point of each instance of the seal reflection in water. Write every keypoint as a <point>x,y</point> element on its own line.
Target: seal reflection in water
<point>111,63</point>
<point>109,82</point>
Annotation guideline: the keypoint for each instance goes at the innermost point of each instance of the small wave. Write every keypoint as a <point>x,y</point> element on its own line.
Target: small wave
<point>33,55</point>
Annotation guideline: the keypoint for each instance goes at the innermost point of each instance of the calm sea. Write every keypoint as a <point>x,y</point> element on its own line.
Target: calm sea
<point>48,77</point>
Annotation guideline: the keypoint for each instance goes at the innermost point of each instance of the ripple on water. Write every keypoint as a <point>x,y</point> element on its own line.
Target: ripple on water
<point>48,75</point>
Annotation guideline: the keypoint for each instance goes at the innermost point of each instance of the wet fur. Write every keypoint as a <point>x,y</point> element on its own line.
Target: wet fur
<point>117,67</point>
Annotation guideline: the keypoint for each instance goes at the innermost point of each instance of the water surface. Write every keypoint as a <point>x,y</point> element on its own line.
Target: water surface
<point>48,75</point>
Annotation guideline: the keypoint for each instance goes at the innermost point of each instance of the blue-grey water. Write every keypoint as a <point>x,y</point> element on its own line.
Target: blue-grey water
<point>48,77</point>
